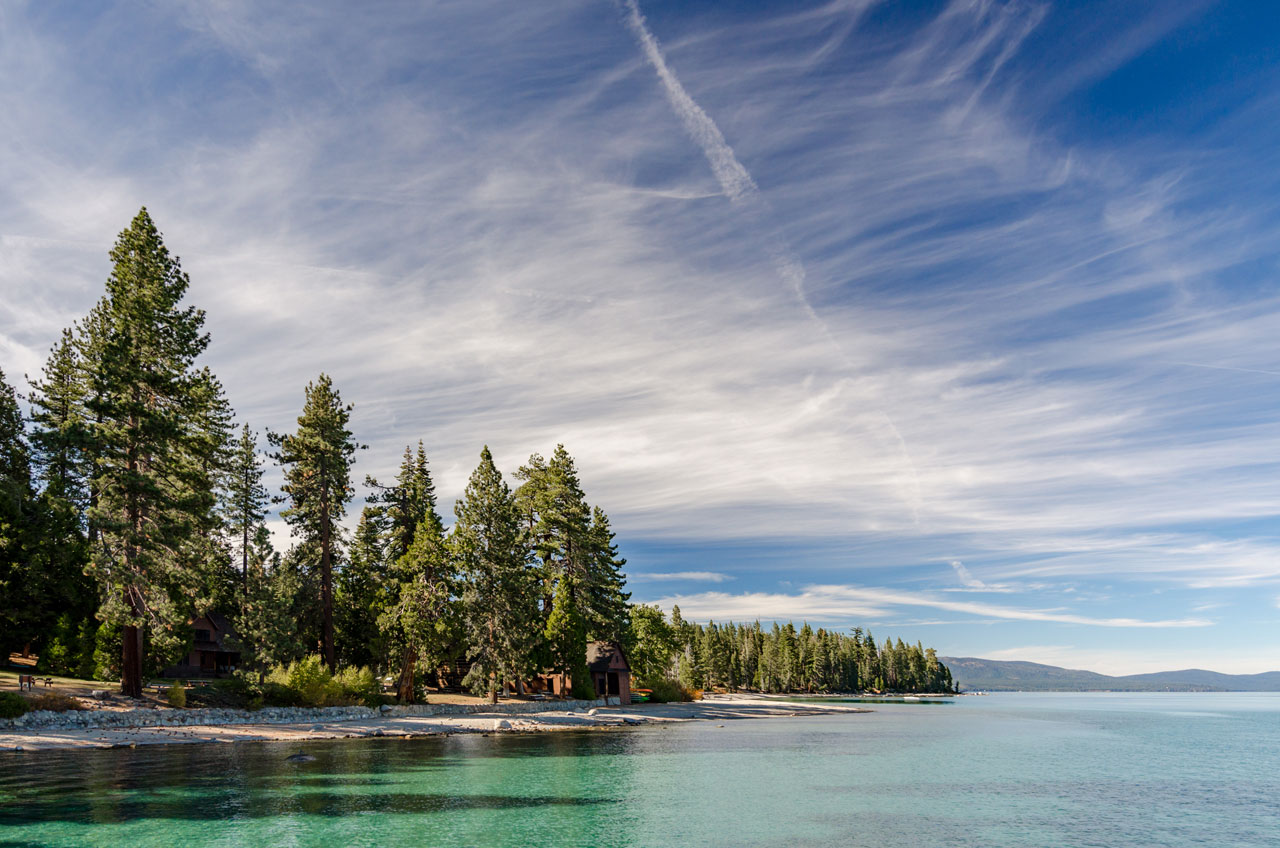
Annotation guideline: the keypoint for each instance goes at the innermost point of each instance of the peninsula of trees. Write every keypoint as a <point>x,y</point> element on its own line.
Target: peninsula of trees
<point>131,502</point>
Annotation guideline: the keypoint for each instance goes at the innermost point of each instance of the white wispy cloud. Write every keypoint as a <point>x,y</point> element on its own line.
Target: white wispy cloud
<point>840,604</point>
<point>700,576</point>
<point>531,253</point>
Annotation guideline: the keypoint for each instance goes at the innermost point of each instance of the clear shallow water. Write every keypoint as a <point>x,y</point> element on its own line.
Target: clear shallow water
<point>1001,770</point>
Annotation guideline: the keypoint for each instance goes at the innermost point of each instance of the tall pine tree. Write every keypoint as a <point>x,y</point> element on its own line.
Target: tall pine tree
<point>421,617</point>
<point>581,571</point>
<point>59,441</point>
<point>245,499</point>
<point>362,591</point>
<point>500,606</point>
<point>16,517</point>
<point>317,461</point>
<point>150,490</point>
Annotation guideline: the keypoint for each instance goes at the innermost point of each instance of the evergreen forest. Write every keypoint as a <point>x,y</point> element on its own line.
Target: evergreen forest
<point>133,501</point>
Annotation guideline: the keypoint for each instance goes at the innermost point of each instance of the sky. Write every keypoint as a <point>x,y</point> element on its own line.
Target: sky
<point>959,321</point>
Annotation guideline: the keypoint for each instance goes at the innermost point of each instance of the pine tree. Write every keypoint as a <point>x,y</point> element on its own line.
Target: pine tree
<point>276,599</point>
<point>150,493</point>
<point>58,432</point>
<point>421,618</point>
<point>63,467</point>
<point>16,514</point>
<point>362,592</point>
<point>500,592</point>
<point>407,503</point>
<point>566,634</point>
<point>581,569</point>
<point>607,604</point>
<point>317,463</point>
<point>246,499</point>
<point>209,418</point>
<point>651,644</point>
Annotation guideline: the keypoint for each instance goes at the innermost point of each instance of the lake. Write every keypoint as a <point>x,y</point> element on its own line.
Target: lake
<point>1000,770</point>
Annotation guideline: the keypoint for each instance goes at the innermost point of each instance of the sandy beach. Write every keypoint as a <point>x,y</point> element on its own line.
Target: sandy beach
<point>718,708</point>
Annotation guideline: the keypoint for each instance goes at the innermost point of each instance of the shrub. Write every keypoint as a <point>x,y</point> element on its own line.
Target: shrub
<point>55,702</point>
<point>309,682</point>
<point>583,690</point>
<point>12,705</point>
<point>58,656</point>
<point>177,695</point>
<point>312,680</point>
<point>276,694</point>
<point>359,685</point>
<point>666,690</point>
<point>238,685</point>
<point>107,644</point>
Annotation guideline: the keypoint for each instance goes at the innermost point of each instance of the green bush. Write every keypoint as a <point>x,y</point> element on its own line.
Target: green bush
<point>86,639</point>
<point>12,705</point>
<point>276,694</point>
<point>360,686</point>
<point>310,683</point>
<point>667,691</point>
<point>177,695</point>
<point>583,689</point>
<point>307,683</point>
<point>238,685</point>
<point>312,680</point>
<point>59,654</point>
<point>108,642</point>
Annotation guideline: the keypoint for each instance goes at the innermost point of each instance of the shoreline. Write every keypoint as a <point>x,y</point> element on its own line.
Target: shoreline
<point>498,720</point>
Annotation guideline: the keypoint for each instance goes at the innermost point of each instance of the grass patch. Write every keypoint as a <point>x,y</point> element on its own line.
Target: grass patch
<point>54,702</point>
<point>12,705</point>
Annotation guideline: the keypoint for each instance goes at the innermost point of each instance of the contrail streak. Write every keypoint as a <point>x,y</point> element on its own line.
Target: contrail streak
<point>737,184</point>
<point>733,178</point>
<point>1227,368</point>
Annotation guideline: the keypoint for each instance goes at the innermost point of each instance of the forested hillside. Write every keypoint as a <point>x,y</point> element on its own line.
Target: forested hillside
<point>973,674</point>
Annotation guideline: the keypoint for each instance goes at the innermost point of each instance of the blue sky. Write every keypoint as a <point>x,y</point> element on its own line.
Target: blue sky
<point>955,320</point>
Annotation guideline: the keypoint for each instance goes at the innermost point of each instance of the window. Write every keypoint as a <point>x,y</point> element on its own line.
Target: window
<point>203,636</point>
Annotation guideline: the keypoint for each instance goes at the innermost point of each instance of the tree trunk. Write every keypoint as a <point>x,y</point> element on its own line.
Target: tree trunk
<point>131,662</point>
<point>244,546</point>
<point>404,690</point>
<point>493,675</point>
<point>326,576</point>
<point>131,649</point>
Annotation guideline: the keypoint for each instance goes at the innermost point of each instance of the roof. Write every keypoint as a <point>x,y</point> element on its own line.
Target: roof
<point>600,655</point>
<point>222,628</point>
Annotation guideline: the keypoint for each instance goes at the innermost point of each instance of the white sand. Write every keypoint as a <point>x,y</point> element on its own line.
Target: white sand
<point>716,708</point>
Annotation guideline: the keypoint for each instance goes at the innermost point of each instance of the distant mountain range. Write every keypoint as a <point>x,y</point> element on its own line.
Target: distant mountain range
<point>973,674</point>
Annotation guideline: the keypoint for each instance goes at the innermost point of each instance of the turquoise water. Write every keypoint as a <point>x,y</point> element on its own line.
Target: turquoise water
<point>1001,770</point>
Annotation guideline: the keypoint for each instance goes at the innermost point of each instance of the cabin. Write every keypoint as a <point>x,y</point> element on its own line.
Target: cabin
<point>610,675</point>
<point>610,671</point>
<point>214,653</point>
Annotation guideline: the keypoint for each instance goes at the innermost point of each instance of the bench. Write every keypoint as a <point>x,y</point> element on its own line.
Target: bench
<point>26,681</point>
